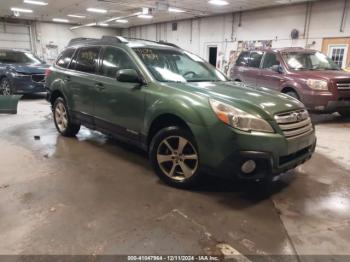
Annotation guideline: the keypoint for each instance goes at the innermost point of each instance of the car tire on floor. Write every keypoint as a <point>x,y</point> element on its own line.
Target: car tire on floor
<point>175,158</point>
<point>62,119</point>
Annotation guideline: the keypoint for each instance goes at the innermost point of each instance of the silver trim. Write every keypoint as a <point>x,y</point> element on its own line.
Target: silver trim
<point>343,86</point>
<point>295,123</point>
<point>297,132</point>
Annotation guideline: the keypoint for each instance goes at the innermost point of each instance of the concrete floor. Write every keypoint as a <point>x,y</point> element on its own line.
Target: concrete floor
<point>91,195</point>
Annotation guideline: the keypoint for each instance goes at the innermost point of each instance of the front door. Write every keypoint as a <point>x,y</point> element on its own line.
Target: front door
<point>268,77</point>
<point>119,106</point>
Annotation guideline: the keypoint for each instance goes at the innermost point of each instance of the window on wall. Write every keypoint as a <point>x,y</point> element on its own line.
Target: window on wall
<point>115,59</point>
<point>65,58</point>
<point>87,59</point>
<point>174,26</point>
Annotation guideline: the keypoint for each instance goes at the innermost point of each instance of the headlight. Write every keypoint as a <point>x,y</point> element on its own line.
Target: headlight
<point>17,74</point>
<point>317,84</point>
<point>239,119</point>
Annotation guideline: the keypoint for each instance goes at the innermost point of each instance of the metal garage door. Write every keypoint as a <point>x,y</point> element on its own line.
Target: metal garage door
<point>14,36</point>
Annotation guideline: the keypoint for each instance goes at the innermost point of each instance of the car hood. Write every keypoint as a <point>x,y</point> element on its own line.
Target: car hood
<point>29,68</point>
<point>323,74</point>
<point>253,100</point>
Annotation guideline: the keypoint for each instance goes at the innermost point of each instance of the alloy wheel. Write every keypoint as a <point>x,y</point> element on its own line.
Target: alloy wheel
<point>177,158</point>
<point>61,116</point>
<point>5,87</point>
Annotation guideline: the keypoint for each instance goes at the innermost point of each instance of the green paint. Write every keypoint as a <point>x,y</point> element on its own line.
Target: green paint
<point>8,104</point>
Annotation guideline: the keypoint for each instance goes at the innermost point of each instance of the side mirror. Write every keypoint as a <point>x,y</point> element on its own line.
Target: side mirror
<point>129,76</point>
<point>277,68</point>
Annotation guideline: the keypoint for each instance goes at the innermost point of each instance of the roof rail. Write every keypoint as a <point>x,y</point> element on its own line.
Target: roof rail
<point>118,39</point>
<point>78,40</point>
<point>162,42</point>
<point>167,43</point>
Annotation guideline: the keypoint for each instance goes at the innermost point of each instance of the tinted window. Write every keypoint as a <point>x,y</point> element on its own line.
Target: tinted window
<point>270,60</point>
<point>113,60</point>
<point>243,59</point>
<point>65,57</point>
<point>14,57</point>
<point>255,59</point>
<point>87,59</point>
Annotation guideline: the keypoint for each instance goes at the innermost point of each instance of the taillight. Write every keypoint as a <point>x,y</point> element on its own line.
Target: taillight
<point>47,72</point>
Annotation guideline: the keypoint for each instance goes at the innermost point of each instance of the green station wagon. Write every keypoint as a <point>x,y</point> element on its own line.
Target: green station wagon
<point>186,114</point>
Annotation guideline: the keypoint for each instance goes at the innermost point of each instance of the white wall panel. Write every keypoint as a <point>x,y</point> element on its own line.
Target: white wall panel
<point>14,36</point>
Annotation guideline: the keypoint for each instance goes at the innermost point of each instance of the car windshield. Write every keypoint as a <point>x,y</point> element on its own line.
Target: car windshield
<point>308,61</point>
<point>19,57</point>
<point>168,65</point>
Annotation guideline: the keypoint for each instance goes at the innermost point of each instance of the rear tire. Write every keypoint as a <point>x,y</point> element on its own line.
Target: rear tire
<point>344,112</point>
<point>5,87</point>
<point>62,119</point>
<point>174,156</point>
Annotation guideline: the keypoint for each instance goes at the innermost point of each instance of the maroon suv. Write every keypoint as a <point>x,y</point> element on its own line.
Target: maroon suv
<point>305,74</point>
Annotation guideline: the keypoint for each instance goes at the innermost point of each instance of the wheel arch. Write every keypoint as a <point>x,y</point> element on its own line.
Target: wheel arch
<point>165,120</point>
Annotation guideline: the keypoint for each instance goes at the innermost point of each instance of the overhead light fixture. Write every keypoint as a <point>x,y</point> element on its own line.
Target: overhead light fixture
<point>60,20</point>
<point>21,10</point>
<point>218,2</point>
<point>96,10</point>
<point>33,2</point>
<point>175,10</point>
<point>103,24</point>
<point>122,21</point>
<point>145,16</point>
<point>77,16</point>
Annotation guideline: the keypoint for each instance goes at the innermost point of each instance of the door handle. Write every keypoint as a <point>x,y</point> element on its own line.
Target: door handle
<point>67,78</point>
<point>100,86</point>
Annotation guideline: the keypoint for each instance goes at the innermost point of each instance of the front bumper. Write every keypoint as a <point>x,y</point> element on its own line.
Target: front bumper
<point>326,102</point>
<point>25,85</point>
<point>224,152</point>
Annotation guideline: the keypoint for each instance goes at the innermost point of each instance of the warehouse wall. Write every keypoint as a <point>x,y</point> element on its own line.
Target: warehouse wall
<point>266,24</point>
<point>50,38</point>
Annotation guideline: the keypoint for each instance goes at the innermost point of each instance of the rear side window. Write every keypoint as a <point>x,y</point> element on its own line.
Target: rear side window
<point>243,59</point>
<point>87,59</point>
<point>115,59</point>
<point>270,60</point>
<point>65,58</point>
<point>255,59</point>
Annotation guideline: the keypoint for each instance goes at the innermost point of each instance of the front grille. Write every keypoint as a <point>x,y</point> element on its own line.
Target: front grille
<point>39,78</point>
<point>343,85</point>
<point>295,123</point>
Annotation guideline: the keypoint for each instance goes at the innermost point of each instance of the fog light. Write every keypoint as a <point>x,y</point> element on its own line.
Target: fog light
<point>248,166</point>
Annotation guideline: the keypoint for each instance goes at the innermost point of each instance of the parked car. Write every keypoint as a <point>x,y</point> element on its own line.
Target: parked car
<point>305,74</point>
<point>21,72</point>
<point>186,114</point>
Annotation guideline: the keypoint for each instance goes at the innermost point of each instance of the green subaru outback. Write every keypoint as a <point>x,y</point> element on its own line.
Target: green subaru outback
<point>186,114</point>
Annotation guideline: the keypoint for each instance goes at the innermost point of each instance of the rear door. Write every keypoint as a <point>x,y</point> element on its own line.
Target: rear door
<point>81,81</point>
<point>253,68</point>
<point>119,106</point>
<point>268,77</point>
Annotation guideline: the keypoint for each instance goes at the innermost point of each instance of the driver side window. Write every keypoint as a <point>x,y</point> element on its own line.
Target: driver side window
<point>113,60</point>
<point>270,60</point>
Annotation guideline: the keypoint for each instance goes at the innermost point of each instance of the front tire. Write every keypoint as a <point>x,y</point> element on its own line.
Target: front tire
<point>5,87</point>
<point>344,112</point>
<point>62,119</point>
<point>293,94</point>
<point>174,156</point>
